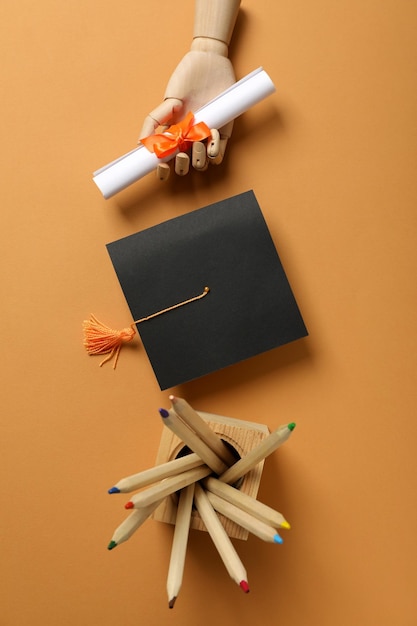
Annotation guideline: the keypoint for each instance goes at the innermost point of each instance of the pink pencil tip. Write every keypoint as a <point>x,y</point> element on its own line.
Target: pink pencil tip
<point>244,586</point>
<point>172,398</point>
<point>129,505</point>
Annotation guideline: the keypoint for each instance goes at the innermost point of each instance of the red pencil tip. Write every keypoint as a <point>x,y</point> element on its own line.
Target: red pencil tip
<point>244,586</point>
<point>129,505</point>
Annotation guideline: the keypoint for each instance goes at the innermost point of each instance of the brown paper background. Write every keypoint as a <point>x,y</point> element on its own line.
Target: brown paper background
<point>332,158</point>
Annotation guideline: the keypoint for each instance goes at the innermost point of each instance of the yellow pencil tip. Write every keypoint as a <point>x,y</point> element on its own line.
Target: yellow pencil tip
<point>286,525</point>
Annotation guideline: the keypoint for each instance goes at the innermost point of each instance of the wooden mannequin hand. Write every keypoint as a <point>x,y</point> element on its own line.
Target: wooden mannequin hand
<point>203,73</point>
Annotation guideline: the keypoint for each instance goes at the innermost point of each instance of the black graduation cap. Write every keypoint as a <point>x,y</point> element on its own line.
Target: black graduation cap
<point>249,308</point>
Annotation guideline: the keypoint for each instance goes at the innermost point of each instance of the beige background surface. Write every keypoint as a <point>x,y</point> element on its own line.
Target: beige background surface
<point>331,157</point>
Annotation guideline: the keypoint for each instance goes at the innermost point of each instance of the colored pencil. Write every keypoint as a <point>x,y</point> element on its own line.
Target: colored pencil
<point>258,454</point>
<point>245,502</point>
<point>244,519</point>
<point>179,543</point>
<point>131,524</point>
<point>220,539</point>
<point>190,417</point>
<point>154,474</point>
<point>192,440</point>
<point>167,486</point>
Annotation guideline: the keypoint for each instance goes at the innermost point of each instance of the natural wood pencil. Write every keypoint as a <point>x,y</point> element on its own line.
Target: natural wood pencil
<point>154,474</point>
<point>179,543</point>
<point>192,440</point>
<point>167,486</point>
<point>244,519</point>
<point>252,458</point>
<point>190,417</point>
<point>131,524</point>
<point>220,539</point>
<point>245,502</point>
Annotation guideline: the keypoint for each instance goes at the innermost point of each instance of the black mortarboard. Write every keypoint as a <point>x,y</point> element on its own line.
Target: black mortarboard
<point>250,307</point>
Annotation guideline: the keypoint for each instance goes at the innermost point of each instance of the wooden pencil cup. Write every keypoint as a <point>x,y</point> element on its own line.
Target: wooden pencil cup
<point>242,436</point>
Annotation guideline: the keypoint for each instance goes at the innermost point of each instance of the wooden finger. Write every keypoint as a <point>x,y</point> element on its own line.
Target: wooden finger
<point>213,145</point>
<point>162,171</point>
<point>182,164</point>
<point>199,156</point>
<point>161,115</point>
<point>222,148</point>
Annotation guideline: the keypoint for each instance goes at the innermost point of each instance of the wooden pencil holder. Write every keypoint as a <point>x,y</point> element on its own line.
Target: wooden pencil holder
<point>242,436</point>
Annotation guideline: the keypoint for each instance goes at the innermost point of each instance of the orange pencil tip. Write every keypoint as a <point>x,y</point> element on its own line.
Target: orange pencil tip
<point>129,505</point>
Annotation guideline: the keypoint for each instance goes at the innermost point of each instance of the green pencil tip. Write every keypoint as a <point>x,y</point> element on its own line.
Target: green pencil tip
<point>111,545</point>
<point>291,426</point>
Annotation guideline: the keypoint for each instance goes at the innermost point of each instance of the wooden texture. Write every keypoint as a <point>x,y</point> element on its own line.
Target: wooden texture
<point>243,436</point>
<point>215,19</point>
<point>224,546</point>
<point>332,158</point>
<point>190,416</point>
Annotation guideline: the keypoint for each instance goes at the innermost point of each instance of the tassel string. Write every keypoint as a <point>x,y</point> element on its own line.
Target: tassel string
<point>101,339</point>
<point>174,306</point>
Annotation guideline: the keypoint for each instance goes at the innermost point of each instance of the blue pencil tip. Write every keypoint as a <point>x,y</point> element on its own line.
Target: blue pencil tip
<point>114,490</point>
<point>164,413</point>
<point>278,539</point>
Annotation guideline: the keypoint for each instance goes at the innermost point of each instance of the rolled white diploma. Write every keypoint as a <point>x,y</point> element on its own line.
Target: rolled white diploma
<point>224,108</point>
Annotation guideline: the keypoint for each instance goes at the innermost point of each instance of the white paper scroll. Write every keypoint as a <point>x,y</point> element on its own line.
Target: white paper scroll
<point>228,105</point>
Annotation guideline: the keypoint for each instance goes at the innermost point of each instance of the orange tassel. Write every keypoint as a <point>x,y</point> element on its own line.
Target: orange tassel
<point>100,339</point>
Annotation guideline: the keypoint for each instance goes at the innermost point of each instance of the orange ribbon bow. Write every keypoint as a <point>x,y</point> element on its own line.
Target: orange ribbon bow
<point>177,137</point>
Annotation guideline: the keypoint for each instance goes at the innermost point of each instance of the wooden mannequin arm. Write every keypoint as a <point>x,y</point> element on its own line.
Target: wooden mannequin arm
<point>203,73</point>
<point>214,20</point>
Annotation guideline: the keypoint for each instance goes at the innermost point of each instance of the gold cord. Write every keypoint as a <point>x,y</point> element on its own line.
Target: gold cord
<point>174,306</point>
